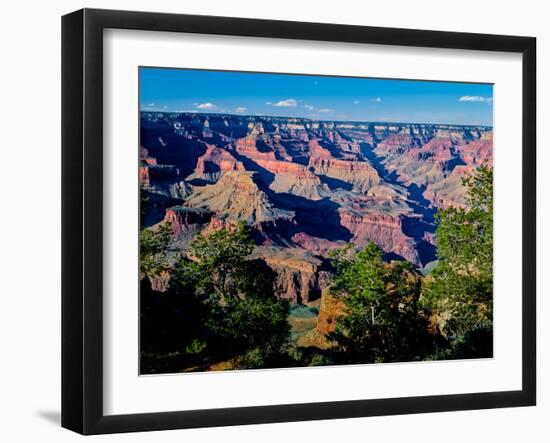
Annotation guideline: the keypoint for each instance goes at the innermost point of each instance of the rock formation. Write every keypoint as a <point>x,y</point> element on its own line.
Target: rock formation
<point>384,230</point>
<point>361,175</point>
<point>182,219</point>
<point>293,178</point>
<point>304,186</point>
<point>301,277</point>
<point>213,163</point>
<point>237,196</point>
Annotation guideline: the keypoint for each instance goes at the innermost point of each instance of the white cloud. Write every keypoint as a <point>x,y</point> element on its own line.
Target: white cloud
<point>356,102</point>
<point>288,103</point>
<point>325,110</point>
<point>376,100</point>
<point>475,99</point>
<point>311,108</point>
<point>207,105</point>
<point>240,109</point>
<point>150,104</point>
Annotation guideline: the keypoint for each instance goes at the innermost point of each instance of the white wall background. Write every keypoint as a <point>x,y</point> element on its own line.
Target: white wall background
<point>30,219</point>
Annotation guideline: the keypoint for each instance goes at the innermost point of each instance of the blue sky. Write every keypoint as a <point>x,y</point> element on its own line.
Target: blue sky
<point>315,97</point>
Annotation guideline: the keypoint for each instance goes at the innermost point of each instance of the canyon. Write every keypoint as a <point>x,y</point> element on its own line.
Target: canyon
<point>305,187</point>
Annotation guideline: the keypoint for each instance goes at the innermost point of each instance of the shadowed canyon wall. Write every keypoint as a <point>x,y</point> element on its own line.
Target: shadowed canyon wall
<point>305,187</point>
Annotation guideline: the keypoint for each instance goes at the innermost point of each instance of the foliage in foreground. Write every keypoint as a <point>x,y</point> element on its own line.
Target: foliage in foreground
<point>230,302</point>
<point>392,314</point>
<point>459,292</point>
<point>222,308</point>
<point>152,249</point>
<point>382,322</point>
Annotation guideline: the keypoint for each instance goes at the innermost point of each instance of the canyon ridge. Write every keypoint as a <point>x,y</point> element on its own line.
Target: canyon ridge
<point>304,187</point>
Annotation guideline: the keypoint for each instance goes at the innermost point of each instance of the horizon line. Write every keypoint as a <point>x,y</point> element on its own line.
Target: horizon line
<point>316,120</point>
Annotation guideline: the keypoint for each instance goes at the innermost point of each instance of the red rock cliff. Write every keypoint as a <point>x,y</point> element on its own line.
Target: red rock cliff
<point>181,218</point>
<point>384,230</point>
<point>361,175</point>
<point>299,278</point>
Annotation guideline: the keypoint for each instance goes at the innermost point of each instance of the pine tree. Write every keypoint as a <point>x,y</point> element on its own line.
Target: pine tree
<point>459,292</point>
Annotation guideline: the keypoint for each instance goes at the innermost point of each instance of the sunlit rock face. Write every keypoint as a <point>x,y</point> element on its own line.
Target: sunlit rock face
<point>305,187</point>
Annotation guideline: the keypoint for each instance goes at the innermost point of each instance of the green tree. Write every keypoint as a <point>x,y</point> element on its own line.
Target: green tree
<point>218,266</point>
<point>459,292</point>
<point>244,314</point>
<point>254,322</point>
<point>152,248</point>
<point>382,322</point>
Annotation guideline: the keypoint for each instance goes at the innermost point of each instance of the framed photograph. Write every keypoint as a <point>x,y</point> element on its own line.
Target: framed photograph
<point>269,221</point>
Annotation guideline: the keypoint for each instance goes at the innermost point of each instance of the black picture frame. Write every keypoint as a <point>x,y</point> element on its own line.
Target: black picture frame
<point>82,218</point>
